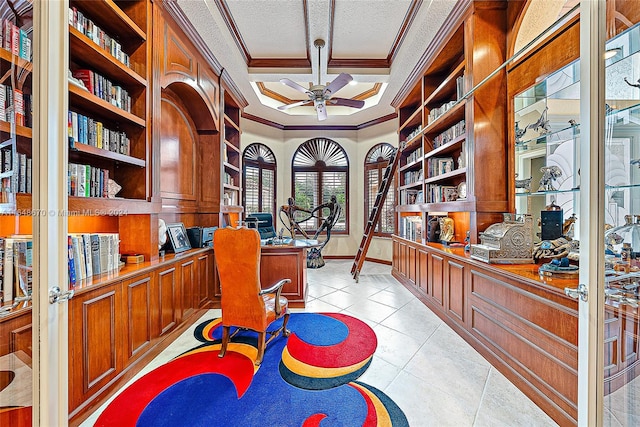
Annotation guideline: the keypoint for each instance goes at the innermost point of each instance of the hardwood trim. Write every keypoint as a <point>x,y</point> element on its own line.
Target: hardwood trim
<point>368,93</point>
<point>317,128</point>
<point>371,63</point>
<point>264,62</point>
<point>177,14</point>
<point>272,94</point>
<point>452,23</point>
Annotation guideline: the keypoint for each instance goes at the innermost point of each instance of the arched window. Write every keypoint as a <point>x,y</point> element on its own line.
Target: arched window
<point>259,179</point>
<point>321,170</point>
<point>375,163</point>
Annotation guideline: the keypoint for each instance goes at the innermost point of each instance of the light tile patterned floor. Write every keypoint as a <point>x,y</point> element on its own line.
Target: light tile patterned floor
<point>435,377</point>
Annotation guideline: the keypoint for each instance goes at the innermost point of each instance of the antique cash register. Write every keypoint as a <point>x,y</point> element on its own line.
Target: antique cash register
<point>508,242</point>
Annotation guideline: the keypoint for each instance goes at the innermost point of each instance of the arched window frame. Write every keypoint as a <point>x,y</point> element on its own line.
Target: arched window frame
<point>375,163</point>
<point>259,156</point>
<point>324,157</point>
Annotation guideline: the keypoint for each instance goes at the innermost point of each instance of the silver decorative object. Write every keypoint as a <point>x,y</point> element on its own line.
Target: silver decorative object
<point>549,174</point>
<point>524,184</point>
<point>508,242</point>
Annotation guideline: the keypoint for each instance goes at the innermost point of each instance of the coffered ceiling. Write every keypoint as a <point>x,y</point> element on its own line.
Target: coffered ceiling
<point>259,42</point>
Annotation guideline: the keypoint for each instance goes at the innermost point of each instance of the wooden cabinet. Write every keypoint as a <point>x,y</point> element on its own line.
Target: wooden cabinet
<point>449,130</point>
<point>97,340</point>
<point>138,321</point>
<point>188,291</point>
<point>204,278</point>
<point>167,292</point>
<point>526,328</point>
<point>117,323</point>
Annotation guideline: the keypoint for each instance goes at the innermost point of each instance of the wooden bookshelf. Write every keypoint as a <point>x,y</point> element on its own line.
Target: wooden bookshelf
<point>437,105</point>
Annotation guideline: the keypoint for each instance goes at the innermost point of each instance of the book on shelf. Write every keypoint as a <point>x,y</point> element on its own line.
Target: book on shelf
<point>23,255</point>
<point>91,254</point>
<point>71,262</point>
<point>86,26</point>
<point>411,227</point>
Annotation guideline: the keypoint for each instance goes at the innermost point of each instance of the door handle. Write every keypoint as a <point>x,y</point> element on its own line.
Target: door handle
<point>57,296</point>
<point>579,292</point>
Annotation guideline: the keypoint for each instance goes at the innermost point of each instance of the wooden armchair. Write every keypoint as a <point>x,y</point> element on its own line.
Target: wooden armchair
<point>244,303</point>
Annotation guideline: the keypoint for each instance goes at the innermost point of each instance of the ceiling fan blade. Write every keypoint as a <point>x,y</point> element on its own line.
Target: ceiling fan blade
<point>321,110</point>
<point>347,102</point>
<point>295,104</point>
<point>338,83</point>
<point>294,85</point>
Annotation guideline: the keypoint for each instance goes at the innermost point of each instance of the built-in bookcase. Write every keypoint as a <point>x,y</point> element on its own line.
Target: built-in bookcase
<point>446,133</point>
<point>231,168</point>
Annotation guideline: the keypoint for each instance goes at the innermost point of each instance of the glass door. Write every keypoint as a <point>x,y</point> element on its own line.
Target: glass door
<point>618,102</point>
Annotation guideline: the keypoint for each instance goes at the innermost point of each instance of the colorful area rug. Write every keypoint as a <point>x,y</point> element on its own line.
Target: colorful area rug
<point>307,379</point>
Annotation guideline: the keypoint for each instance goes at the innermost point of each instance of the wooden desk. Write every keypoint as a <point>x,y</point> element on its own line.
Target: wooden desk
<point>287,261</point>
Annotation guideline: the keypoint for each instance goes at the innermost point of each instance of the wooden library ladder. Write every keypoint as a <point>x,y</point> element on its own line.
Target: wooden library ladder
<point>374,216</point>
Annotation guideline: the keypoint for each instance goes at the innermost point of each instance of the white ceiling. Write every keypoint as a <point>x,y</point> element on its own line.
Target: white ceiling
<point>258,42</point>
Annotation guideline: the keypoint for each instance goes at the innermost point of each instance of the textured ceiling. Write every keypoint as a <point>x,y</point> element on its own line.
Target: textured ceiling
<point>258,42</point>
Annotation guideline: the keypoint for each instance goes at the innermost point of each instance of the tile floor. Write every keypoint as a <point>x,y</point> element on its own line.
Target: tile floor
<point>435,377</point>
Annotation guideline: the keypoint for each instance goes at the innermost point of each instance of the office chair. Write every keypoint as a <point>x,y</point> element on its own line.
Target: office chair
<point>263,221</point>
<point>244,303</point>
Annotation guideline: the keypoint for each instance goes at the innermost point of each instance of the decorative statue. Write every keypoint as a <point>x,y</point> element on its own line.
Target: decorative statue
<point>329,211</point>
<point>524,183</point>
<point>290,210</point>
<point>541,126</point>
<point>549,174</point>
<point>446,229</point>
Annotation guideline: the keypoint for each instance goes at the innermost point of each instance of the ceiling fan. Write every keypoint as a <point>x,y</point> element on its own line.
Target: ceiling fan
<point>321,95</point>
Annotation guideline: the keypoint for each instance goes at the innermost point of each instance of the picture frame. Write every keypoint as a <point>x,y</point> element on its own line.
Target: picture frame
<point>178,237</point>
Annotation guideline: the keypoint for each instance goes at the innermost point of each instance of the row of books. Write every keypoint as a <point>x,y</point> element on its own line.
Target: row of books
<point>449,135</point>
<point>437,112</point>
<point>411,197</point>
<point>87,181</point>
<point>415,155</point>
<point>413,176</point>
<point>413,133</point>
<point>228,179</point>
<point>91,254</point>
<point>411,227</point>
<point>20,181</point>
<point>85,130</point>
<point>15,106</point>
<point>15,40</point>
<point>87,27</point>
<point>103,88</point>
<point>441,193</point>
<point>439,165</point>
<point>16,268</point>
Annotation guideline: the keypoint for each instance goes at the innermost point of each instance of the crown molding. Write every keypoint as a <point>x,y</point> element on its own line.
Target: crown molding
<point>371,63</point>
<point>319,127</point>
<point>265,62</point>
<point>450,24</point>
<point>174,10</point>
